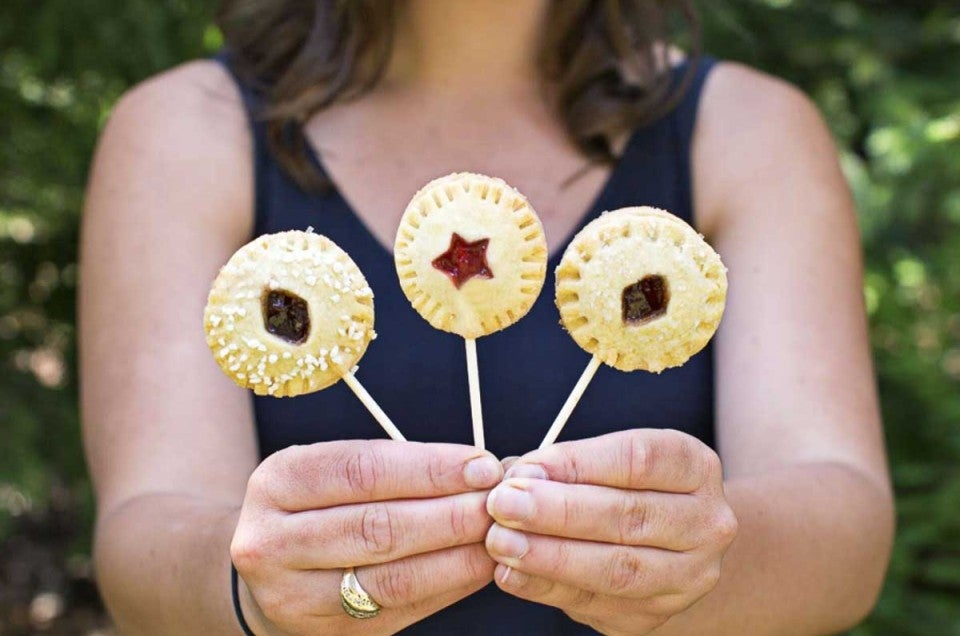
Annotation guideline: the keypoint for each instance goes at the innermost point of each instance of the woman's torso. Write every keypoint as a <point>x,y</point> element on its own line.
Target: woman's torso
<point>418,374</point>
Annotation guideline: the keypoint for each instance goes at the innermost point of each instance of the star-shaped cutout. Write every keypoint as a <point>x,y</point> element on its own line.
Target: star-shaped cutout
<point>464,260</point>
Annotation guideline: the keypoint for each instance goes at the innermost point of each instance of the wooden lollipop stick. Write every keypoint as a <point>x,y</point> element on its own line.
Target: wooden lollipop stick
<point>571,402</point>
<point>473,379</point>
<point>373,407</point>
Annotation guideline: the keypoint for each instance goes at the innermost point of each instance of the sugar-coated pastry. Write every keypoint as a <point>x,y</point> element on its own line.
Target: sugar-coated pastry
<point>471,254</point>
<point>290,313</point>
<point>640,289</point>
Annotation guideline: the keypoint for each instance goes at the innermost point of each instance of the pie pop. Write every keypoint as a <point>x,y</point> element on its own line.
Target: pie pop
<point>637,288</point>
<point>291,313</point>
<point>472,258</point>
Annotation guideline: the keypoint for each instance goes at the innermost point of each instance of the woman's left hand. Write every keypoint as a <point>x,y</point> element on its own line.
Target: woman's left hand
<point>621,532</point>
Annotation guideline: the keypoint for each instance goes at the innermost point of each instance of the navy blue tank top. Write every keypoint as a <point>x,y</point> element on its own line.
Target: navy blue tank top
<point>418,374</point>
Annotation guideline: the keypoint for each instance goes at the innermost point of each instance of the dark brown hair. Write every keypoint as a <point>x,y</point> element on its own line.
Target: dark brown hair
<point>606,59</point>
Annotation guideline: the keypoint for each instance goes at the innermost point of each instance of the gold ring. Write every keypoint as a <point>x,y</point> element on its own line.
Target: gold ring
<point>354,599</point>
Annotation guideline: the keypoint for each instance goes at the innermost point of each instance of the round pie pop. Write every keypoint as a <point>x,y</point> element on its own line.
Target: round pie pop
<point>291,313</point>
<point>471,257</point>
<point>640,290</point>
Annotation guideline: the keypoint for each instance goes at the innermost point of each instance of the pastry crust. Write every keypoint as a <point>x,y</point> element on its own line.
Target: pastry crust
<point>614,252</point>
<point>338,299</point>
<point>475,208</point>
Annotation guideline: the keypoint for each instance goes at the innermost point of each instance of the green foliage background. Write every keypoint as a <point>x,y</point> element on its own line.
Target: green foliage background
<point>884,74</point>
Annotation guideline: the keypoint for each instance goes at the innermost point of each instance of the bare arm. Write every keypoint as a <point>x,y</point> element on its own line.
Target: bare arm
<point>168,202</point>
<point>798,422</point>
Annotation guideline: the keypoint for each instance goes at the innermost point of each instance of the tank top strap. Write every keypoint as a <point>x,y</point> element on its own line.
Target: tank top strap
<point>656,162</point>
<point>253,106</point>
<point>684,122</point>
<point>686,111</point>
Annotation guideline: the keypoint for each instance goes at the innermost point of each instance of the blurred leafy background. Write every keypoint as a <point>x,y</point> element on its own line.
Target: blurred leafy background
<point>884,74</point>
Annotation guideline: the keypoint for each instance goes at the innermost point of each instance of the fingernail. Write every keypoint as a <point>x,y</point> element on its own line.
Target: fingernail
<point>530,471</point>
<point>510,577</point>
<point>482,472</point>
<point>510,503</point>
<point>508,543</point>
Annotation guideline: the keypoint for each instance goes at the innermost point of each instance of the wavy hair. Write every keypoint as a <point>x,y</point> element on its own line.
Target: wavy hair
<point>606,59</point>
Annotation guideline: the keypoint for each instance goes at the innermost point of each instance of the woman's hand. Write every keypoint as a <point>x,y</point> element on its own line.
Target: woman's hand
<point>621,532</point>
<point>410,517</point>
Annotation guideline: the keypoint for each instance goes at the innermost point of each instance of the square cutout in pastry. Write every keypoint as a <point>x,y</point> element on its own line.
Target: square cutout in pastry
<point>645,300</point>
<point>286,315</point>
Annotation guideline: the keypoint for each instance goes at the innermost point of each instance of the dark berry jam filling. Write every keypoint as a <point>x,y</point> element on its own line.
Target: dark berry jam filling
<point>285,315</point>
<point>645,300</point>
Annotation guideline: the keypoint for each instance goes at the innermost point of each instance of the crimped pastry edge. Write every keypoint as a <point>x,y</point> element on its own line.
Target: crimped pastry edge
<point>432,198</point>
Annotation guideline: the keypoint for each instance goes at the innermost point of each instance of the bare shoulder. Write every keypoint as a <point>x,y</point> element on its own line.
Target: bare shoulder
<point>184,129</point>
<point>751,124</point>
<point>197,96</point>
<point>738,92</point>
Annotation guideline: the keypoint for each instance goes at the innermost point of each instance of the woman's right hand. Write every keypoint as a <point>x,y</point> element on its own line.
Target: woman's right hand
<point>410,517</point>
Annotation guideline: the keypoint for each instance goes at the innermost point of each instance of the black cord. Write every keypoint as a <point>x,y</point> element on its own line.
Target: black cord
<point>234,589</point>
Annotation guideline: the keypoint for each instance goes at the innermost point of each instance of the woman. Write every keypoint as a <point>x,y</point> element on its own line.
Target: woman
<point>620,529</point>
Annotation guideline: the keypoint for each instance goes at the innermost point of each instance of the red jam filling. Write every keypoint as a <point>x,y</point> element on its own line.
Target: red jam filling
<point>463,260</point>
<point>285,315</point>
<point>645,300</point>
